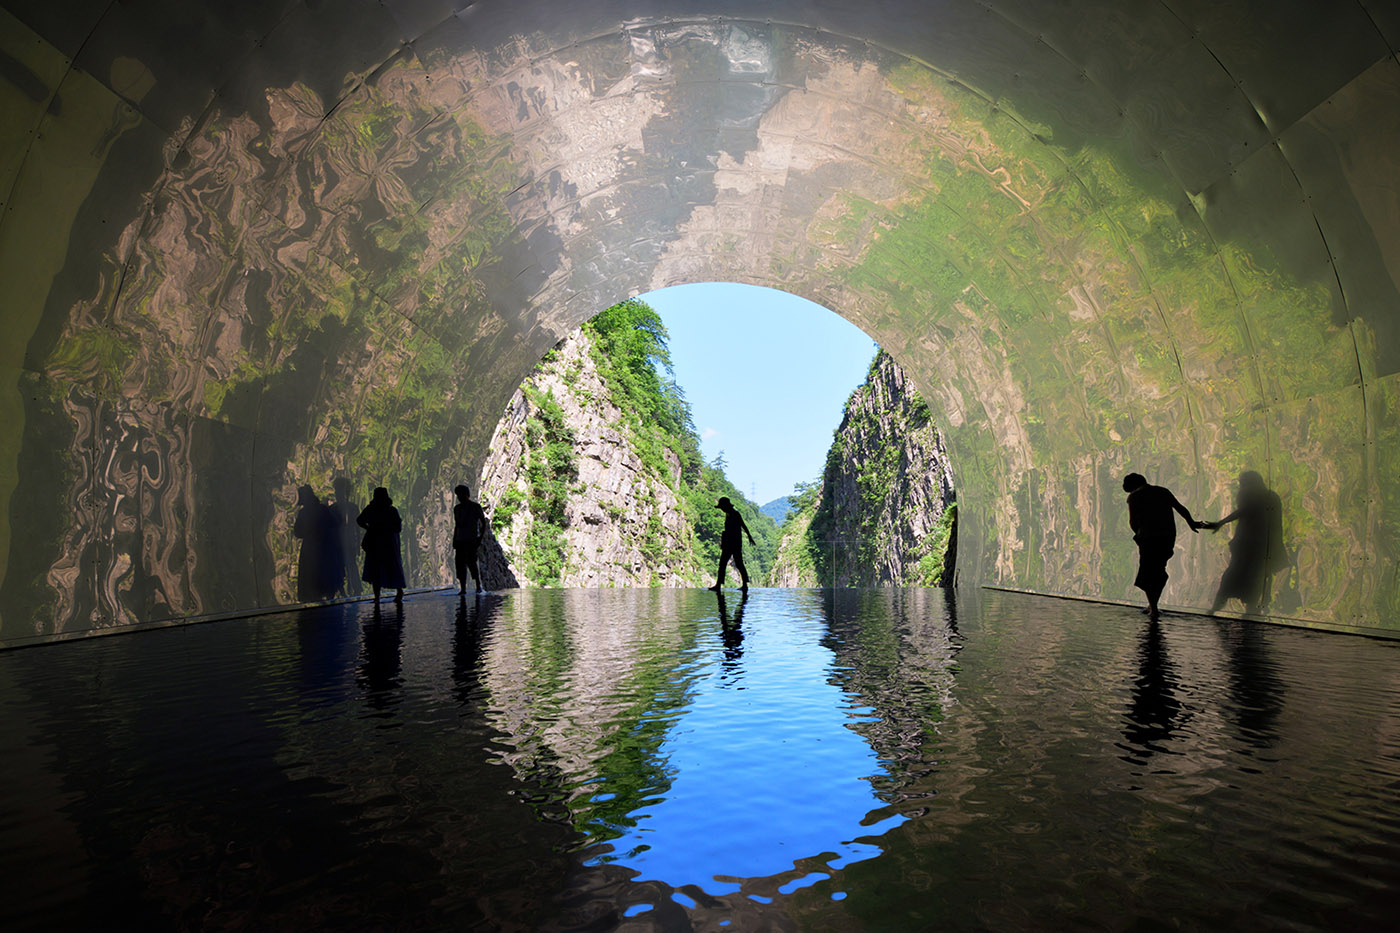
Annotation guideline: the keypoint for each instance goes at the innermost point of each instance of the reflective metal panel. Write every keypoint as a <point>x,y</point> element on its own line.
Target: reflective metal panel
<point>249,249</point>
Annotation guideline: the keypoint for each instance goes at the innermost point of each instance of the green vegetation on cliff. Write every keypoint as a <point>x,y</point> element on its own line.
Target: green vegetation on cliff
<point>627,345</point>
<point>633,357</point>
<point>550,472</point>
<point>882,511</point>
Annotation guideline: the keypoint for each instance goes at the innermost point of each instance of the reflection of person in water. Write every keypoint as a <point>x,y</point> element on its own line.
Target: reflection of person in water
<point>1154,529</point>
<point>345,512</point>
<point>731,544</point>
<point>1256,550</point>
<point>1256,690</point>
<point>1154,711</point>
<point>468,530</point>
<point>473,625</point>
<point>382,524</point>
<point>381,658</point>
<point>320,567</point>
<point>326,640</point>
<point>731,631</point>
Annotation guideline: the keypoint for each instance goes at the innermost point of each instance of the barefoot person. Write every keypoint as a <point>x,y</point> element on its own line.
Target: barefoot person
<point>467,532</point>
<point>731,544</point>
<point>1154,529</point>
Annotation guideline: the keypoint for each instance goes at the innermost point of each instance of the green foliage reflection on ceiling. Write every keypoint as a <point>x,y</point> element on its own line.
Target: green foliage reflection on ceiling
<point>1009,231</point>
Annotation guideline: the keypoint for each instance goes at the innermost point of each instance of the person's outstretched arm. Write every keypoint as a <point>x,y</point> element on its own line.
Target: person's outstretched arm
<point>1216,525</point>
<point>1191,523</point>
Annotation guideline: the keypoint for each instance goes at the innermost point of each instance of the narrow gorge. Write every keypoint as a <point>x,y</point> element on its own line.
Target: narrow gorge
<point>595,477</point>
<point>884,511</point>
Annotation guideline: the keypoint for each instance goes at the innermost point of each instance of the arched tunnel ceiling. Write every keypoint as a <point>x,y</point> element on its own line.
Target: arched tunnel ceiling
<point>247,246</point>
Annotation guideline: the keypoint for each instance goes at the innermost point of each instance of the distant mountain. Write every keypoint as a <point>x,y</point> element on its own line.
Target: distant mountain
<point>778,509</point>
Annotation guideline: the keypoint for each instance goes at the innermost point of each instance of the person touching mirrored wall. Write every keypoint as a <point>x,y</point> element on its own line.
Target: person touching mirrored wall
<point>1150,515</point>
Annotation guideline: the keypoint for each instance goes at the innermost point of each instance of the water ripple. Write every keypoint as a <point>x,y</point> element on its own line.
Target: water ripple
<point>560,759</point>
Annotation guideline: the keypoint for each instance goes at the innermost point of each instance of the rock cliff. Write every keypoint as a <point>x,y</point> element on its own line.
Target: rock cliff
<point>571,499</point>
<point>883,512</point>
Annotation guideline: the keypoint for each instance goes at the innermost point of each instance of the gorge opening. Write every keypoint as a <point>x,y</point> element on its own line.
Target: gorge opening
<point>609,461</point>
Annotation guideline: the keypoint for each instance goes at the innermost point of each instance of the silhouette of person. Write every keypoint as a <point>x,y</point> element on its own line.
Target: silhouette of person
<point>345,512</point>
<point>1256,550</point>
<point>731,544</point>
<point>320,567</point>
<point>467,532</point>
<point>1154,529</point>
<point>382,524</point>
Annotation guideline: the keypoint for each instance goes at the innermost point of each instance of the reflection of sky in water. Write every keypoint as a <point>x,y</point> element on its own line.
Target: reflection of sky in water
<point>339,768</point>
<point>764,768</point>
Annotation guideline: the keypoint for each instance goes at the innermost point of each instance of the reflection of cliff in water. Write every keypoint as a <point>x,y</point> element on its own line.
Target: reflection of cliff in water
<point>606,695</point>
<point>591,699</point>
<point>261,773</point>
<point>895,652</point>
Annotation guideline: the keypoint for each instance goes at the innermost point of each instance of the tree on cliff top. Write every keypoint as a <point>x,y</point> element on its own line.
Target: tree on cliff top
<point>633,357</point>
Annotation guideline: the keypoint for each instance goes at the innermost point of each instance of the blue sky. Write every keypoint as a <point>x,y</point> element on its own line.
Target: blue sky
<point>767,375</point>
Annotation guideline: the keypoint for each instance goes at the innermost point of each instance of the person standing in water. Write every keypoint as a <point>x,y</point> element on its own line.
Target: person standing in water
<point>1154,529</point>
<point>731,544</point>
<point>382,524</point>
<point>467,532</point>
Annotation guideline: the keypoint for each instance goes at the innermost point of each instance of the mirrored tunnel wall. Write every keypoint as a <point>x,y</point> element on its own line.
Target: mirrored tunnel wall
<point>251,247</point>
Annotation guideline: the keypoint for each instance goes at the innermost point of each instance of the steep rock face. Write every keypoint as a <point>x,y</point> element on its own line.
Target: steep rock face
<point>618,522</point>
<point>794,565</point>
<point>883,514</point>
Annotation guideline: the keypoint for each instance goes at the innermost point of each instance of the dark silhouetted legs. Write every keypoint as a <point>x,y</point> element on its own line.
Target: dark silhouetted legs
<point>737,555</point>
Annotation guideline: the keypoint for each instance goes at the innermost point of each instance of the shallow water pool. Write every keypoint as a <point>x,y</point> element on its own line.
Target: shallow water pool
<point>589,759</point>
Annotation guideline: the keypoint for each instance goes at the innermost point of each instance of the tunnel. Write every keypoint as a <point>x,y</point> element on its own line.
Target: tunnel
<point>251,246</point>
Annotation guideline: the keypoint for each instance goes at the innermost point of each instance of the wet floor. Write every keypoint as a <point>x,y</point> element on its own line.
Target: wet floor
<point>649,759</point>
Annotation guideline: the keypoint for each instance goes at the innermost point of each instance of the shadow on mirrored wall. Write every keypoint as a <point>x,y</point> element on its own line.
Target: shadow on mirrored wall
<point>345,511</point>
<point>1257,549</point>
<point>321,567</point>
